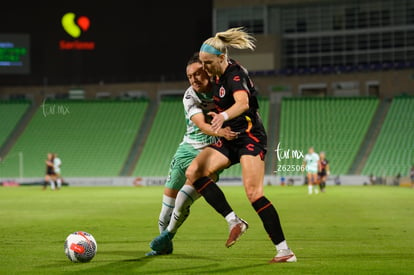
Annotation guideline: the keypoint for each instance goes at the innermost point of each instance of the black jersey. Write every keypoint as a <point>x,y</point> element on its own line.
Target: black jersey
<point>235,79</point>
<point>49,169</point>
<point>324,163</point>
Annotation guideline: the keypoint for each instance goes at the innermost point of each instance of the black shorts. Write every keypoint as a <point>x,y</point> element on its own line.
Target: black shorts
<point>50,172</point>
<point>245,144</point>
<point>322,174</point>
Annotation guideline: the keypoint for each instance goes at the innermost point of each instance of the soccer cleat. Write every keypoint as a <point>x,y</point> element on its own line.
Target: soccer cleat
<point>161,247</point>
<point>236,231</point>
<point>162,242</point>
<point>153,253</point>
<point>169,250</point>
<point>284,256</point>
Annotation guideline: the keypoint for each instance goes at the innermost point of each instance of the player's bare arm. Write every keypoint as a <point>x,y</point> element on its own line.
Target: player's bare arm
<point>226,132</point>
<point>240,106</point>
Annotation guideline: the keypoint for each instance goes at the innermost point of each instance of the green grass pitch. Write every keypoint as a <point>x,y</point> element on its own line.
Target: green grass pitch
<point>347,230</point>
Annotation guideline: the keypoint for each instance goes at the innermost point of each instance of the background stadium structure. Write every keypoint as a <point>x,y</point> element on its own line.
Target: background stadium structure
<point>108,138</point>
<point>336,75</point>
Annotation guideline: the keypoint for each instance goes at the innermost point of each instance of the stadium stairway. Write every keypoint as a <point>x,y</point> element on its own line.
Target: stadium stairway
<point>393,151</point>
<point>18,130</point>
<point>370,137</point>
<point>273,136</point>
<point>164,135</point>
<point>138,145</point>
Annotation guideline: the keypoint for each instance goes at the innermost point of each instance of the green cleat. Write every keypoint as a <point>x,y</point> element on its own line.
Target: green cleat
<point>163,242</point>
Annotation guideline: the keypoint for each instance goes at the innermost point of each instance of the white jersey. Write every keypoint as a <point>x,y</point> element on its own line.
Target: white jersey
<point>312,162</point>
<point>195,103</point>
<point>56,164</point>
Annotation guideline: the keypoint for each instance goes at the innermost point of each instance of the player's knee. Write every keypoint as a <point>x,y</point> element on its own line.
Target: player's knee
<point>253,195</point>
<point>192,173</point>
<point>253,191</point>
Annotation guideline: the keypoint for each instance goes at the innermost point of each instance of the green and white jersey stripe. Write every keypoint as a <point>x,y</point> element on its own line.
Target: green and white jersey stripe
<point>195,103</point>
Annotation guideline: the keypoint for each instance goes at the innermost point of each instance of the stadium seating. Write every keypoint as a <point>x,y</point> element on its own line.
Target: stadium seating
<point>166,133</point>
<point>393,152</point>
<point>10,113</point>
<point>334,125</point>
<point>335,69</point>
<point>92,138</point>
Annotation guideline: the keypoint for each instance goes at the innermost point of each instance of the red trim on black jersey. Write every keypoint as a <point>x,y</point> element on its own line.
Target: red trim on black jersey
<point>249,127</point>
<point>253,137</point>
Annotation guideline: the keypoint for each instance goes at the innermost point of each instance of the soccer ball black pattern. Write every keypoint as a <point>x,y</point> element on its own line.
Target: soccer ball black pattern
<point>80,246</point>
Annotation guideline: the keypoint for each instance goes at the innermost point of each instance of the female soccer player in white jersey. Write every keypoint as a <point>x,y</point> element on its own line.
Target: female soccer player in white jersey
<point>57,163</point>
<point>311,163</point>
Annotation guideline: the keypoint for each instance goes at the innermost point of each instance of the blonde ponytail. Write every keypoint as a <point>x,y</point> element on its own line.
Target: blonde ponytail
<point>235,37</point>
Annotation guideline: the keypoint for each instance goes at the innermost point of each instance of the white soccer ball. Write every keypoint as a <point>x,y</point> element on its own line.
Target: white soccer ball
<point>80,246</point>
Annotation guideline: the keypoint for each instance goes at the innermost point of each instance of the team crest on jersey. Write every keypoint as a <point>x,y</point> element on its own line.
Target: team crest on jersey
<point>222,92</point>
<point>236,78</point>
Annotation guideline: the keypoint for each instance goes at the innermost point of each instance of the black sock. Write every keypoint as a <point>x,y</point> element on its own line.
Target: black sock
<point>270,219</point>
<point>213,195</point>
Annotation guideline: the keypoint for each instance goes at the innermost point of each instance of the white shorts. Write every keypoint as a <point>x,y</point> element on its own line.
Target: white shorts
<point>311,170</point>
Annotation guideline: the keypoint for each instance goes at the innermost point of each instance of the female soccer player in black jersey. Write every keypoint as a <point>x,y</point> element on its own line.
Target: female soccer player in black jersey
<point>235,98</point>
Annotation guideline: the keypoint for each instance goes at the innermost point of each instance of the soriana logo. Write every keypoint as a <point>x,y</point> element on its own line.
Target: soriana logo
<point>75,26</point>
